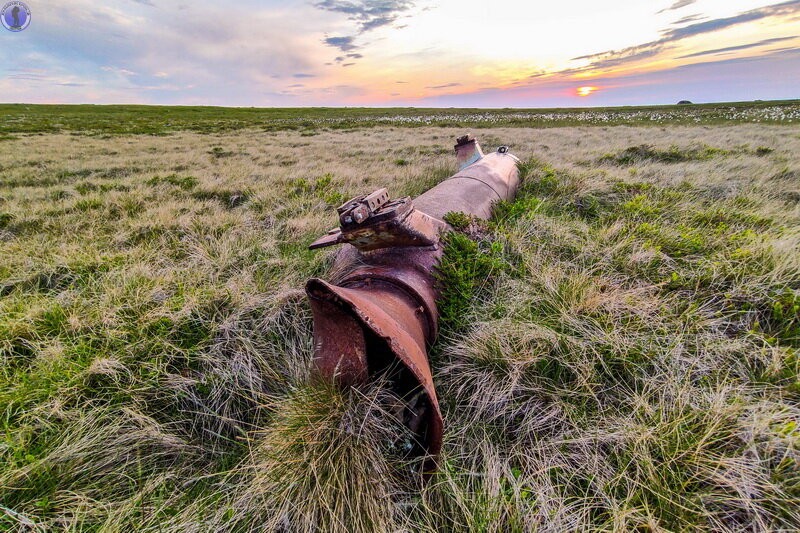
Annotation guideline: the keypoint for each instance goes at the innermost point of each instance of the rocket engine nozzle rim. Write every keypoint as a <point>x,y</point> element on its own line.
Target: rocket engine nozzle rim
<point>426,302</point>
<point>407,350</point>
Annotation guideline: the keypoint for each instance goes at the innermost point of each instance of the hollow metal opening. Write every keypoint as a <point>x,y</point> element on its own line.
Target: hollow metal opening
<point>414,408</point>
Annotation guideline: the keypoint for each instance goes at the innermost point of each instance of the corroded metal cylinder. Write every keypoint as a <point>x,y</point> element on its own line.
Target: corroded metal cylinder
<point>473,189</point>
<point>378,315</point>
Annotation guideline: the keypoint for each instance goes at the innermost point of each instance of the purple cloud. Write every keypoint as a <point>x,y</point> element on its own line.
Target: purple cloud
<point>445,86</point>
<point>739,47</point>
<point>370,14</point>
<point>677,5</point>
<point>345,43</point>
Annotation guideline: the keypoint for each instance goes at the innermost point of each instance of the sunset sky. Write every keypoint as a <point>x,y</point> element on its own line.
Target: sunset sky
<point>402,52</point>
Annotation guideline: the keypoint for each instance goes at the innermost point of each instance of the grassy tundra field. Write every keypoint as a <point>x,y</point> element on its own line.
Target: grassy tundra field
<point>619,345</point>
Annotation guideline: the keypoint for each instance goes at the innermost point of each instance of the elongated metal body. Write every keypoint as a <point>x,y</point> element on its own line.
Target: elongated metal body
<point>378,313</point>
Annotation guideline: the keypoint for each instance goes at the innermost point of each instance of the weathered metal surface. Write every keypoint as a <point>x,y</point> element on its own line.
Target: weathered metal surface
<point>392,224</point>
<point>379,314</point>
<point>360,208</point>
<point>339,343</point>
<point>473,189</point>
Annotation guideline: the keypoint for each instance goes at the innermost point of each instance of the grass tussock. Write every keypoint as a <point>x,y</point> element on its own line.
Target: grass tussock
<point>326,462</point>
<point>618,349</point>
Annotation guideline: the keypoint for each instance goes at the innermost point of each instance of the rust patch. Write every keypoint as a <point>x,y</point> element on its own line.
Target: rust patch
<point>339,345</point>
<point>392,225</point>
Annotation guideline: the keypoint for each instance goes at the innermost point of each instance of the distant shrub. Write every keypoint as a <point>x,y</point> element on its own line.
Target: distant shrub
<point>321,187</point>
<point>88,204</point>
<point>218,152</point>
<point>764,150</point>
<point>67,174</point>
<point>183,182</point>
<point>87,187</point>
<point>117,172</point>
<point>647,152</point>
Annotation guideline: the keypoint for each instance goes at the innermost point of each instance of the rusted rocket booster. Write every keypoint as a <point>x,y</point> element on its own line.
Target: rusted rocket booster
<point>378,314</point>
